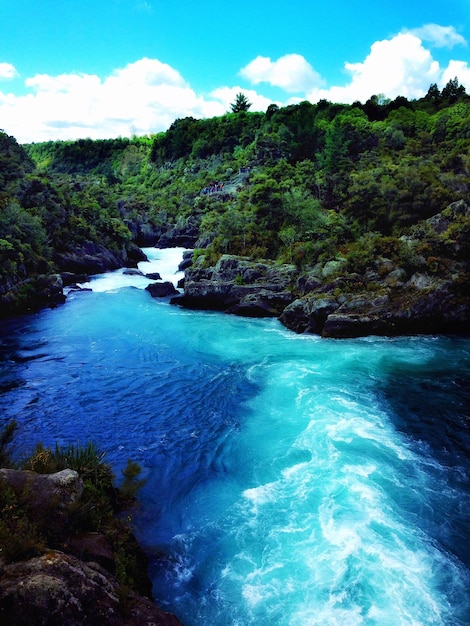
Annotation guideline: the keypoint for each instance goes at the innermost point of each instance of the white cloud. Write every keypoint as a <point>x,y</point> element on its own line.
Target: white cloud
<point>439,36</point>
<point>461,69</point>
<point>7,71</point>
<point>400,66</point>
<point>146,96</point>
<point>143,97</point>
<point>291,72</point>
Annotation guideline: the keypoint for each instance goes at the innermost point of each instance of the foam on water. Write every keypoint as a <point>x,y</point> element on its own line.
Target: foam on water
<point>289,480</point>
<point>163,261</point>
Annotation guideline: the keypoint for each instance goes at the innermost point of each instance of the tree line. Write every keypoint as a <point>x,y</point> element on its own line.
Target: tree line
<point>322,177</point>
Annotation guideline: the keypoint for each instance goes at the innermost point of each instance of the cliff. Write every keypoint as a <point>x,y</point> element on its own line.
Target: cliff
<point>66,560</point>
<point>420,284</point>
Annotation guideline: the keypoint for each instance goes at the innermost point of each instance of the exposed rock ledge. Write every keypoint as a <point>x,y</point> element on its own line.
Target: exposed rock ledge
<point>75,588</point>
<point>58,589</point>
<point>239,286</point>
<point>331,301</point>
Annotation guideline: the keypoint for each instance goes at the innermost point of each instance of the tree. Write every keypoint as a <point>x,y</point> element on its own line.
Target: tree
<point>288,237</point>
<point>241,103</point>
<point>453,91</point>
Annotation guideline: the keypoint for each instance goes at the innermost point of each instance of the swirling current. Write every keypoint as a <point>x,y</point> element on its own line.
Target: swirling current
<point>290,480</point>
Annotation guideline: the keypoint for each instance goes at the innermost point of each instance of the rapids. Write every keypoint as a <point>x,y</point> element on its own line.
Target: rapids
<point>291,480</point>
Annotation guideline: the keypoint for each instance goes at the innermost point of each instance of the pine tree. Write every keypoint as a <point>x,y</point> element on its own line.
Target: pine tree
<point>241,103</point>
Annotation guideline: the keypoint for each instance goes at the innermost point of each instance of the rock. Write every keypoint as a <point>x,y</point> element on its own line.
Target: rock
<point>308,315</point>
<point>135,254</point>
<point>58,589</point>
<point>68,278</point>
<point>153,276</point>
<point>161,290</point>
<point>92,547</point>
<point>49,290</point>
<point>262,303</point>
<point>239,286</point>
<point>187,260</point>
<point>396,278</point>
<point>421,281</point>
<point>180,235</point>
<point>308,282</point>
<point>441,222</point>
<point>90,258</point>
<point>331,268</point>
<point>45,491</point>
<point>410,311</point>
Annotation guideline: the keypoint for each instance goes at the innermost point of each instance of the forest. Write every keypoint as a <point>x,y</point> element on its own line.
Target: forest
<point>298,184</point>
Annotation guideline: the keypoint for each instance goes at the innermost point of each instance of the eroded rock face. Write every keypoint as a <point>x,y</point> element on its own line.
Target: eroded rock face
<point>239,286</point>
<point>72,583</point>
<point>93,258</point>
<point>45,491</point>
<point>424,295</point>
<point>60,590</point>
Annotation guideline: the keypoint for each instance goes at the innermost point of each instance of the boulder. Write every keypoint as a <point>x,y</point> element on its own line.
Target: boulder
<point>308,314</point>
<point>68,278</point>
<point>45,491</point>
<point>187,260</point>
<point>131,271</point>
<point>161,290</point>
<point>239,286</point>
<point>58,589</point>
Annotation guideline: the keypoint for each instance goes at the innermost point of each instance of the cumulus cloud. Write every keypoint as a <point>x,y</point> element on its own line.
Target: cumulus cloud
<point>400,66</point>
<point>439,36</point>
<point>291,72</point>
<point>7,71</point>
<point>146,96</point>
<point>143,97</point>
<point>459,69</point>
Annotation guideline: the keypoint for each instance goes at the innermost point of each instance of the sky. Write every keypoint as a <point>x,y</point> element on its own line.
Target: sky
<point>101,69</point>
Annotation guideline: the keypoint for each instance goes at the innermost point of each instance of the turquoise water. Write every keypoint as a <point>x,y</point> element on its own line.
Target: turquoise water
<point>290,480</point>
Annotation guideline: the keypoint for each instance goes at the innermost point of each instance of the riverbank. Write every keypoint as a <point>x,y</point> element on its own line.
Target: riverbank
<point>400,288</point>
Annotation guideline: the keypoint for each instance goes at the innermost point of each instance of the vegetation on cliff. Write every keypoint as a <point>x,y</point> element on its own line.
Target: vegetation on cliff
<point>33,521</point>
<point>302,184</point>
<point>67,553</point>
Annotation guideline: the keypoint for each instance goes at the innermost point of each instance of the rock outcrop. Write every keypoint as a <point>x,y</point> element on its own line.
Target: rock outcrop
<point>74,584</point>
<point>58,589</point>
<point>31,294</point>
<point>161,290</point>
<point>239,286</point>
<point>422,296</point>
<point>93,258</point>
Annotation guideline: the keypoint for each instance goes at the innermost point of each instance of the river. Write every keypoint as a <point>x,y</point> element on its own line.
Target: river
<point>290,480</point>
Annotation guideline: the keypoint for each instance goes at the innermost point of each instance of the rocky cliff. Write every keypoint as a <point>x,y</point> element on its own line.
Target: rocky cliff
<point>423,288</point>
<point>51,573</point>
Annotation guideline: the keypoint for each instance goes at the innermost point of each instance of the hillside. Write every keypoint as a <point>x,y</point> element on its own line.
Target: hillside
<point>353,188</point>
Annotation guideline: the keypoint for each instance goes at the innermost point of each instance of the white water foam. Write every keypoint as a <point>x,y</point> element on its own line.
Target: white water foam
<point>165,261</point>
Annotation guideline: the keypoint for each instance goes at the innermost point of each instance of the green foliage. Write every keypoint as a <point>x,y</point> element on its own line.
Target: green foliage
<point>131,483</point>
<point>332,172</point>
<point>14,163</point>
<point>86,460</point>
<point>21,536</point>
<point>27,531</point>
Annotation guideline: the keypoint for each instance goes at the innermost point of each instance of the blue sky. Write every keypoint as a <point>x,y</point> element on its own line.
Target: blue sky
<point>108,68</point>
